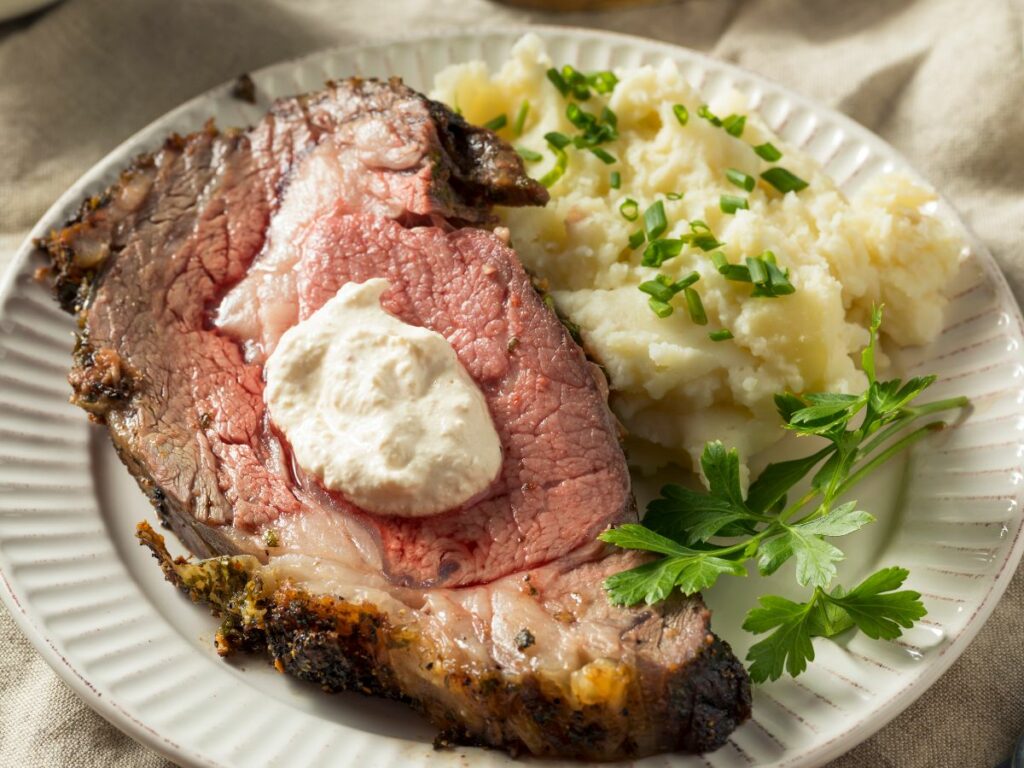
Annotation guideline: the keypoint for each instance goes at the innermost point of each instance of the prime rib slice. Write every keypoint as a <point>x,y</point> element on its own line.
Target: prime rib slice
<point>490,618</point>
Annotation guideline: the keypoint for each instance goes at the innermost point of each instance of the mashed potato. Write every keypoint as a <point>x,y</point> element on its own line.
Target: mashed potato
<point>674,388</point>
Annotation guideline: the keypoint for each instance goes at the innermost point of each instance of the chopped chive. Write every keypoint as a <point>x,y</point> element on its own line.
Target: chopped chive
<point>576,81</point>
<point>637,239</point>
<point>558,81</point>
<point>629,209</point>
<point>660,251</point>
<point>659,288</point>
<point>732,203</point>
<point>497,123</point>
<point>705,241</point>
<point>517,126</point>
<point>734,124</point>
<point>603,82</point>
<point>687,281</point>
<point>674,196</point>
<point>662,289</point>
<point>719,260</point>
<point>655,222</point>
<point>695,306</point>
<point>529,155</point>
<point>699,225</point>
<point>603,156</point>
<point>767,151</point>
<point>661,308</point>
<point>741,179</point>
<point>736,273</point>
<point>708,115</point>
<point>758,270</point>
<point>682,113</point>
<point>783,180</point>
<point>615,181</point>
<point>609,117</point>
<point>723,335</point>
<point>769,258</point>
<point>558,140</point>
<point>579,117</point>
<point>561,162</point>
<point>778,279</point>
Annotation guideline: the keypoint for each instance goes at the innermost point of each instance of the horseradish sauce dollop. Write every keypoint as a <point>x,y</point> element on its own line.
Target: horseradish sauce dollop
<point>380,410</point>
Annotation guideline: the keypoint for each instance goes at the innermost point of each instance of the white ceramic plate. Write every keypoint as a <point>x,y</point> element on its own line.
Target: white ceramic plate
<point>97,608</point>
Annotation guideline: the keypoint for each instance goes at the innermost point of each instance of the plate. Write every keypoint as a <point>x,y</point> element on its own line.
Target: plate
<point>97,608</point>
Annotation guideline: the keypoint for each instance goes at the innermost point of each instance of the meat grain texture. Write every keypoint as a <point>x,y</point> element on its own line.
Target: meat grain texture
<point>490,619</point>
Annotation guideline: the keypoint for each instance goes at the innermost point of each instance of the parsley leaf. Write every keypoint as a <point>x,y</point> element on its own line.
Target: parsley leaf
<point>692,517</point>
<point>697,536</point>
<point>789,646</point>
<point>722,471</point>
<point>873,606</point>
<point>879,611</point>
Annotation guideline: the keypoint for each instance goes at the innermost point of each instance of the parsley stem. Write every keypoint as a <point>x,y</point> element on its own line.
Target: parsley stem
<point>900,445</point>
<point>939,405</point>
<point>806,499</point>
<point>908,416</point>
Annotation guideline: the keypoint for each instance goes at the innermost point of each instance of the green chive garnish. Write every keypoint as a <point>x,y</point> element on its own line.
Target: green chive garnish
<point>603,156</point>
<point>741,179</point>
<point>637,239</point>
<point>767,151</point>
<point>558,81</point>
<point>517,126</point>
<point>695,306</point>
<point>704,241</point>
<point>783,180</point>
<point>661,308</point>
<point>578,117</point>
<point>758,270</point>
<point>708,115</point>
<point>629,209</point>
<point>556,139</point>
<point>616,180</point>
<point>603,82</point>
<point>778,279</point>
<point>736,273</point>
<point>529,155</point>
<point>660,251</point>
<point>662,290</point>
<point>497,123</point>
<point>734,124</point>
<point>723,335</point>
<point>732,203</point>
<point>561,159</point>
<point>659,288</point>
<point>682,113</point>
<point>674,196</point>
<point>576,81</point>
<point>719,260</point>
<point>655,222</point>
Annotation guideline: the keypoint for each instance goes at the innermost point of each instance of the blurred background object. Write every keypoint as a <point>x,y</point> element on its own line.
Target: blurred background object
<point>579,5</point>
<point>11,9</point>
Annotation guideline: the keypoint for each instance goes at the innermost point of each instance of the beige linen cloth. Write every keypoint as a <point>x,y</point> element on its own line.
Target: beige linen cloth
<point>942,80</point>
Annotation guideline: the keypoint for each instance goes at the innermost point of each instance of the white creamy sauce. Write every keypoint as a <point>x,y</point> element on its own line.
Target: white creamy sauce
<point>380,410</point>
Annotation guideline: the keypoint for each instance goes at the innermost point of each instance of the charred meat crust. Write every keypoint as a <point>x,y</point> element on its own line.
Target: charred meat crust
<point>341,646</point>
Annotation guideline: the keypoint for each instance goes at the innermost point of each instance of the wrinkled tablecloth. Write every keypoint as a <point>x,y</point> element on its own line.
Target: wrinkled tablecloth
<point>942,80</point>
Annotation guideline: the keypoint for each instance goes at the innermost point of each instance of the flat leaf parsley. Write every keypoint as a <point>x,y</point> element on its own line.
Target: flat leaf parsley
<point>701,535</point>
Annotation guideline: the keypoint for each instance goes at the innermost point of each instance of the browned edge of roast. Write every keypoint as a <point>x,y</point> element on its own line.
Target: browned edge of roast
<point>692,706</point>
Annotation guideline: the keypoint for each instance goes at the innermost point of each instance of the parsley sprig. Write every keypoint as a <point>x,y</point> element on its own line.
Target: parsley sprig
<point>701,535</point>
